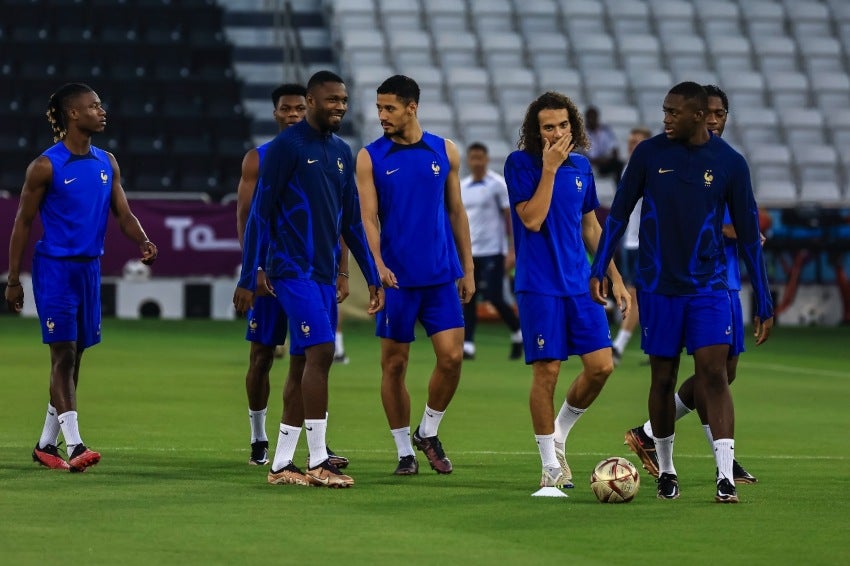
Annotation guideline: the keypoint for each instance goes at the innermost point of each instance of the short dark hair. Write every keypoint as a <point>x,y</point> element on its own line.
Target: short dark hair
<point>322,77</point>
<point>58,104</point>
<point>714,90</point>
<point>692,91</point>
<point>477,145</point>
<point>288,89</point>
<point>529,132</point>
<point>642,131</point>
<point>402,86</point>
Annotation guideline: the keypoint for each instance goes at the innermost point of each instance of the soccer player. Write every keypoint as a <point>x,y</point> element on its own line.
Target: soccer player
<point>267,320</point>
<point>305,199</point>
<point>628,260</point>
<point>485,198</point>
<point>73,185</point>
<point>416,225</point>
<point>553,207</point>
<point>639,438</point>
<point>687,178</point>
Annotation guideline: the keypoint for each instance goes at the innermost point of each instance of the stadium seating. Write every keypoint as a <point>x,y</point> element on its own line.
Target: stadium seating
<point>163,71</point>
<point>784,64</point>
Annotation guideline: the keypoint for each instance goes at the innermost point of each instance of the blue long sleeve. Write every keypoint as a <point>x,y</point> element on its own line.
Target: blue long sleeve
<point>744,213</point>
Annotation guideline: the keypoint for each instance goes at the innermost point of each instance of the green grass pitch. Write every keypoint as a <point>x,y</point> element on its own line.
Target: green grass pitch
<point>164,402</point>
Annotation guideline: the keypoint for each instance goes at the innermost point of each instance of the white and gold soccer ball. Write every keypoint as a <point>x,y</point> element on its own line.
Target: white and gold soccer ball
<point>135,270</point>
<point>615,480</point>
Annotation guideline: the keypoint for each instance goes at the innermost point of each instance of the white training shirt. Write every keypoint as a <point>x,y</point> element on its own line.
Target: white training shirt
<point>485,202</point>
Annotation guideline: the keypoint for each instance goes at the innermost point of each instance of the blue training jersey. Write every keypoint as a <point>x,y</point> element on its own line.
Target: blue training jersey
<point>75,207</point>
<point>305,198</point>
<point>417,242</point>
<point>552,261</point>
<point>686,190</point>
<point>733,269</point>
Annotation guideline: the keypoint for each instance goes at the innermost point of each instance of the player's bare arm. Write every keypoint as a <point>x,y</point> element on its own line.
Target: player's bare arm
<point>127,221</point>
<point>591,231</point>
<point>534,211</point>
<point>38,177</point>
<point>460,224</point>
<point>369,213</point>
<point>245,190</point>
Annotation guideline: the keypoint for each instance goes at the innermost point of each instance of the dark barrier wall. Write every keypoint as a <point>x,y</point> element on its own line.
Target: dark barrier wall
<point>194,239</point>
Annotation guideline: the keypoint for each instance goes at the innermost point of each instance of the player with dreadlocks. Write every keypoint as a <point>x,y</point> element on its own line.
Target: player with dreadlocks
<point>73,185</point>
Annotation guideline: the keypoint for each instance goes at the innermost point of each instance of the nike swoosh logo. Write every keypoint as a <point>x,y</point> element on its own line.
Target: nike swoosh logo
<point>285,432</point>
<point>662,171</point>
<point>323,481</point>
<point>393,171</point>
<point>68,181</point>
<point>308,427</point>
<point>311,161</point>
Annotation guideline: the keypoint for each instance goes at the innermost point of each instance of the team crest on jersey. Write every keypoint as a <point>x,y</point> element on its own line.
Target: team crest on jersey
<point>103,176</point>
<point>540,342</point>
<point>708,178</point>
<point>435,168</point>
<point>50,325</point>
<point>305,329</point>
<point>252,325</point>
<point>339,164</point>
<point>579,184</point>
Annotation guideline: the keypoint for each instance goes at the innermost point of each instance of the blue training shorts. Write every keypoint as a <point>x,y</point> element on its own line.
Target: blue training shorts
<point>266,322</point>
<point>437,307</point>
<point>737,346</point>
<point>669,322</point>
<point>312,311</point>
<point>554,328</point>
<point>67,297</point>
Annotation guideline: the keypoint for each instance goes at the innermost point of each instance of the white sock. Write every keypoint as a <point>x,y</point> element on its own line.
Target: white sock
<point>258,424</point>
<point>516,337</point>
<point>70,430</point>
<point>287,442</point>
<point>402,441</point>
<point>622,340</point>
<point>469,348</point>
<point>565,420</point>
<point>681,408</point>
<point>681,411</point>
<point>316,429</point>
<point>664,451</point>
<point>339,346</point>
<point>430,422</point>
<point>707,430</point>
<point>724,454</point>
<point>546,446</point>
<point>50,432</point>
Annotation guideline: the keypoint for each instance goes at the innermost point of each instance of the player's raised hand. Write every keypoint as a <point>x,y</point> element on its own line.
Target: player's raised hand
<point>761,329</point>
<point>556,153</point>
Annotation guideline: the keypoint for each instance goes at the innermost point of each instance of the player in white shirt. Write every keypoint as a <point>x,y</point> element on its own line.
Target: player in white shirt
<point>485,197</point>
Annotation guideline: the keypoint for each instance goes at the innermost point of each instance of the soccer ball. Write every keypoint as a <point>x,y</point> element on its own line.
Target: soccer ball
<point>615,480</point>
<point>135,270</point>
